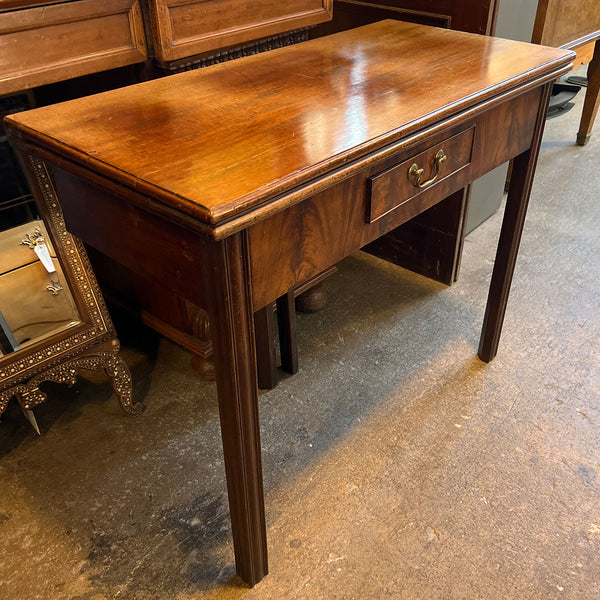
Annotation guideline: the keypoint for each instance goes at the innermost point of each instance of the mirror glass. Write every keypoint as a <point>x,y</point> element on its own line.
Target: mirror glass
<point>35,301</point>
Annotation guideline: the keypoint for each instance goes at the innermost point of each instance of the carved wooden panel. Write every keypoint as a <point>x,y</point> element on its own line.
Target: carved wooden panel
<point>184,28</point>
<point>45,44</point>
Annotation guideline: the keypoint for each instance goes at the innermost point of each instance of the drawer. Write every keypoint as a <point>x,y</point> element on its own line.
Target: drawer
<point>393,188</point>
<point>29,308</point>
<point>46,44</point>
<point>14,254</point>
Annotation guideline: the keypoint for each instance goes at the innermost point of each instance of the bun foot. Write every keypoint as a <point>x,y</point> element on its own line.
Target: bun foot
<point>313,300</point>
<point>204,368</point>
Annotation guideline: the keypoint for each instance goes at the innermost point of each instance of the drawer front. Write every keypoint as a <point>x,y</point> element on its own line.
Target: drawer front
<point>183,28</point>
<point>395,187</point>
<point>29,308</point>
<point>51,43</point>
<point>14,254</point>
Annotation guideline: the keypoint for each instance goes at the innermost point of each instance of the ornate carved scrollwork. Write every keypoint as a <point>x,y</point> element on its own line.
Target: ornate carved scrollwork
<point>264,45</point>
<point>29,395</point>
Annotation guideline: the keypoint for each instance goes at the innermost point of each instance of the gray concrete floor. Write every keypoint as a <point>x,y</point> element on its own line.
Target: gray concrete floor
<point>396,463</point>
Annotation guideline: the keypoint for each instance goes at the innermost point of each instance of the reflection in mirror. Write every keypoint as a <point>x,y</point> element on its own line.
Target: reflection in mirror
<point>35,301</point>
<point>51,304</point>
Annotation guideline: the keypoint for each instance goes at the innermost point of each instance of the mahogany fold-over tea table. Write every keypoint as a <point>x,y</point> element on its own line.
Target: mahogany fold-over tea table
<point>233,184</point>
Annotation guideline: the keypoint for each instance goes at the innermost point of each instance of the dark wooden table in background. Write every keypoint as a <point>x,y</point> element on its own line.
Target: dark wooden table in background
<point>233,184</point>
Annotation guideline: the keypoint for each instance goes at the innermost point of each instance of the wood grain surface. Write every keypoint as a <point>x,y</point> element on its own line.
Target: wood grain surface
<point>182,28</point>
<point>318,232</point>
<point>566,22</point>
<point>45,44</point>
<point>233,136</point>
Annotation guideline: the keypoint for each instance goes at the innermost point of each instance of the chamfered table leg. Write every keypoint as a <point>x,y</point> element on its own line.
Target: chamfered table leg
<point>232,326</point>
<point>592,98</point>
<point>510,236</point>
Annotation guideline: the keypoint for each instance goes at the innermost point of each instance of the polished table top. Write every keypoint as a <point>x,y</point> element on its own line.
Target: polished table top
<point>219,142</point>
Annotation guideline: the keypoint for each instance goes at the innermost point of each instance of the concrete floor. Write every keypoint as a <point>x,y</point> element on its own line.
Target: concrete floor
<point>396,463</point>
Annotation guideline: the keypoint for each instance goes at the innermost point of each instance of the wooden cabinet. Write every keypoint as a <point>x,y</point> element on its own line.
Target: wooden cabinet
<point>566,23</point>
<point>44,44</point>
<point>184,28</point>
<point>574,24</point>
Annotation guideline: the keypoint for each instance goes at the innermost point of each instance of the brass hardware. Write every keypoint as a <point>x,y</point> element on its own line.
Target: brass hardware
<point>37,243</point>
<point>415,174</point>
<point>55,288</point>
<point>33,239</point>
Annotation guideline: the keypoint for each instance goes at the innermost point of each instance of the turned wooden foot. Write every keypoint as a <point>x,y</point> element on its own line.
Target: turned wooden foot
<point>313,300</point>
<point>203,367</point>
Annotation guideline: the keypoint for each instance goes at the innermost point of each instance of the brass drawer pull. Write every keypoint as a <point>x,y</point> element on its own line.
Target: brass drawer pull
<point>415,174</point>
<point>55,288</point>
<point>37,243</point>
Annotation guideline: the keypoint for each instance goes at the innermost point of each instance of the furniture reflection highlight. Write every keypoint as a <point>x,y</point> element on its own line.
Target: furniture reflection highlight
<point>53,320</point>
<point>431,243</point>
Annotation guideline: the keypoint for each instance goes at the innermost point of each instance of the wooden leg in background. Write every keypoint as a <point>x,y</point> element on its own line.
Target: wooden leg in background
<point>286,317</point>
<point>265,348</point>
<point>232,326</point>
<point>592,98</point>
<point>510,236</point>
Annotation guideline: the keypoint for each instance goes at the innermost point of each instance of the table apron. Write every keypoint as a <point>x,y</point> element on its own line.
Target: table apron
<point>163,251</point>
<point>299,242</point>
<point>309,236</point>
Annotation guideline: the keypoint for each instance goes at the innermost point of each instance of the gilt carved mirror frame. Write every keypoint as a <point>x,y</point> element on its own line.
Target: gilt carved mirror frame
<point>90,343</point>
